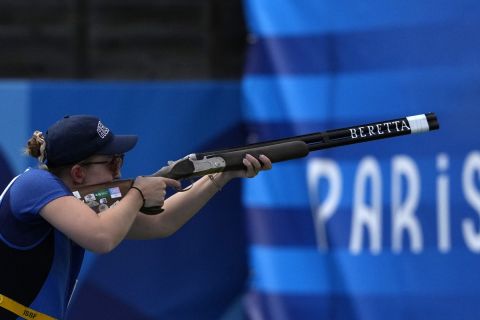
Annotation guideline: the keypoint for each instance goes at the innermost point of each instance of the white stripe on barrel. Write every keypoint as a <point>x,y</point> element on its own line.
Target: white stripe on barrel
<point>418,123</point>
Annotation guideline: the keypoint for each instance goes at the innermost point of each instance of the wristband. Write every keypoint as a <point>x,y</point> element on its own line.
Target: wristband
<point>141,194</point>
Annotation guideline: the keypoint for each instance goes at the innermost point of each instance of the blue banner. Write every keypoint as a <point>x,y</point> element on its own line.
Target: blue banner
<point>198,273</point>
<point>388,229</point>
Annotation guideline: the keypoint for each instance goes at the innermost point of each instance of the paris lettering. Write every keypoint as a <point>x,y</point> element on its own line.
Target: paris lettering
<point>400,204</point>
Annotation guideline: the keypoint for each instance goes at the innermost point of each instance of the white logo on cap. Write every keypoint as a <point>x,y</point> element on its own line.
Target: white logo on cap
<point>102,130</point>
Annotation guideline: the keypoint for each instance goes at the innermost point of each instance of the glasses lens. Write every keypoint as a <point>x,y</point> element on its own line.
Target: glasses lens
<point>114,164</point>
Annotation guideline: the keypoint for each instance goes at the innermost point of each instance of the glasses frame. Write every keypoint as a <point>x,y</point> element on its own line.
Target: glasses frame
<point>113,164</point>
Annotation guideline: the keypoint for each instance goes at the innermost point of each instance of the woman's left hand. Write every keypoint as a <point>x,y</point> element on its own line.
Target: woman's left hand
<point>252,167</point>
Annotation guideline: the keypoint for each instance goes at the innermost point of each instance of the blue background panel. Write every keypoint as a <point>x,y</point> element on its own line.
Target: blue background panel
<point>321,65</point>
<point>149,279</point>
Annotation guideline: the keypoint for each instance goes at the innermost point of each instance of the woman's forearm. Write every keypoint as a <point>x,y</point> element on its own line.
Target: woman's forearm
<point>179,208</point>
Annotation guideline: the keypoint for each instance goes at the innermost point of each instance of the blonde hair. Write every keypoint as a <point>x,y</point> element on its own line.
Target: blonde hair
<point>36,146</point>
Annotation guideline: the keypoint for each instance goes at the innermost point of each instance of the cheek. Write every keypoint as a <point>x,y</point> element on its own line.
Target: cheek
<point>98,176</point>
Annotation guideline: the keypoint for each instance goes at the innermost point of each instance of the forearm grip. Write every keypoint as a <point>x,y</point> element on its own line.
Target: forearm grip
<point>276,153</point>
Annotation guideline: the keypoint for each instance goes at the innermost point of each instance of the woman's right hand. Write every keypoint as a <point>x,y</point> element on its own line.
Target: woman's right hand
<point>154,189</point>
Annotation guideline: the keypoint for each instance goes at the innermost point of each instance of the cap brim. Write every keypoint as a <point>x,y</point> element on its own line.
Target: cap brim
<point>119,144</point>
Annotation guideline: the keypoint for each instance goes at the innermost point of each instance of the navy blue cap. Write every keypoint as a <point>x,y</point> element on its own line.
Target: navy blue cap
<point>77,137</point>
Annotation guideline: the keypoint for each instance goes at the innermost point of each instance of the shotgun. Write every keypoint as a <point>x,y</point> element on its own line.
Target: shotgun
<point>101,197</point>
